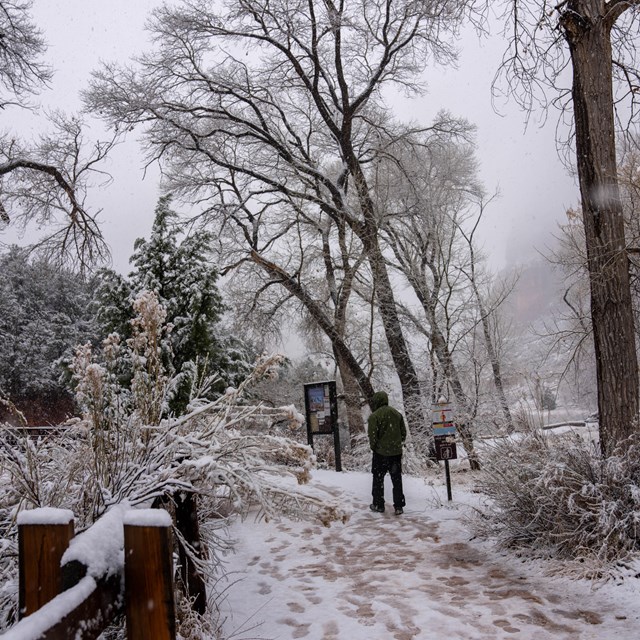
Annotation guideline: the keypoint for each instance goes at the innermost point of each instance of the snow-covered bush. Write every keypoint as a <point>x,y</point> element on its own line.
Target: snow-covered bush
<point>44,313</point>
<point>120,451</point>
<point>555,495</point>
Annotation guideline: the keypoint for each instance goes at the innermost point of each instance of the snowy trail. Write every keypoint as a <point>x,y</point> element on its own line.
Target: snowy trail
<point>402,578</point>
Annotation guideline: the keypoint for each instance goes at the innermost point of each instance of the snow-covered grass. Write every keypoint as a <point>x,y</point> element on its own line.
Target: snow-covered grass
<point>421,575</point>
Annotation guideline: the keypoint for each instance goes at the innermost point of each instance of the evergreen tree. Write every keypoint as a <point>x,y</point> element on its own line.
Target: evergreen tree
<point>44,313</point>
<point>113,309</point>
<point>180,272</point>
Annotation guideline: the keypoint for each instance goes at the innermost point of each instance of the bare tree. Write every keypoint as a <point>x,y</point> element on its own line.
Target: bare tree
<point>342,257</point>
<point>278,93</point>
<point>598,40</point>
<point>279,257</point>
<point>39,182</point>
<point>629,177</point>
<point>46,184</point>
<point>425,189</point>
<point>572,331</point>
<point>22,71</point>
<point>571,254</point>
<point>486,313</point>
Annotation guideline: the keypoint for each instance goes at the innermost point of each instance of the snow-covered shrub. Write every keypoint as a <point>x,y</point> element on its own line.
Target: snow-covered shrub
<point>44,313</point>
<point>525,418</point>
<point>8,568</point>
<point>217,451</point>
<point>148,343</point>
<point>33,474</point>
<point>557,496</point>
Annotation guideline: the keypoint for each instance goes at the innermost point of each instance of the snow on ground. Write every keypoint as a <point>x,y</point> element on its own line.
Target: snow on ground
<point>415,576</point>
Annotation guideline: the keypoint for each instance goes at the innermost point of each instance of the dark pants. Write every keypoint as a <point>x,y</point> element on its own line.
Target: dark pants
<point>380,466</point>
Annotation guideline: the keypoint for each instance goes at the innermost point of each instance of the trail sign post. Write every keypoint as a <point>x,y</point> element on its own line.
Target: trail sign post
<point>321,409</point>
<point>444,437</point>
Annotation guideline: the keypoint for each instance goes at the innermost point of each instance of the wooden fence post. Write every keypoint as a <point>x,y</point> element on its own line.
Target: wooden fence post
<point>148,575</point>
<point>187,524</point>
<point>43,537</point>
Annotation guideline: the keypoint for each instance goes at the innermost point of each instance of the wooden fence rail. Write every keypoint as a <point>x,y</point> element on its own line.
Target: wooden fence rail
<point>71,587</point>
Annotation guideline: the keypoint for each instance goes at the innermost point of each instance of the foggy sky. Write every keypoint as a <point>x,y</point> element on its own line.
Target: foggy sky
<point>524,165</point>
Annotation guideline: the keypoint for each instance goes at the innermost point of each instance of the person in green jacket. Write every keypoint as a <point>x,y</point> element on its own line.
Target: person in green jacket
<point>387,433</point>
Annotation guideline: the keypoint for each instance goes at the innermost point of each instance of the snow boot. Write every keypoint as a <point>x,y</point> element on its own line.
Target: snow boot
<point>376,508</point>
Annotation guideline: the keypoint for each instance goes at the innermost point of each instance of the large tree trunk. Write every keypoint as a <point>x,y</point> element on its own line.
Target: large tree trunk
<point>411,393</point>
<point>611,310</point>
<point>351,399</point>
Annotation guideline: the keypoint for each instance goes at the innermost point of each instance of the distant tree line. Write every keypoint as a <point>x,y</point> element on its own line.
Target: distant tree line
<point>47,311</point>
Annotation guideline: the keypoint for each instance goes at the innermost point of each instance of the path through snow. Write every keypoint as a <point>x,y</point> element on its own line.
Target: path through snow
<point>419,575</point>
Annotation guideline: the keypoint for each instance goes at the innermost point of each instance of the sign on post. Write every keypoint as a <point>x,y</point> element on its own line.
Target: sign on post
<point>444,437</point>
<point>444,432</point>
<point>321,408</point>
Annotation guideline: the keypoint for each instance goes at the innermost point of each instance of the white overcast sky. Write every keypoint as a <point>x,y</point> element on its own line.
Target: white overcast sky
<point>534,185</point>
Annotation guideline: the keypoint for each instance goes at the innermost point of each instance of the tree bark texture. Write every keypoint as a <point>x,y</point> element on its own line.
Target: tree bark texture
<point>351,399</point>
<point>411,393</point>
<point>588,35</point>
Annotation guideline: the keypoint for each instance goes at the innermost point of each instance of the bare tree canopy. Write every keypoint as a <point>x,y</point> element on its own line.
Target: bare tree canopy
<point>44,183</point>
<point>270,97</point>
<point>594,43</point>
<point>430,193</point>
<point>538,58</point>
<point>21,47</point>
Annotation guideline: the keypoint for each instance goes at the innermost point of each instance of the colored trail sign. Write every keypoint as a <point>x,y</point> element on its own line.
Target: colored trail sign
<point>444,432</point>
<point>444,438</point>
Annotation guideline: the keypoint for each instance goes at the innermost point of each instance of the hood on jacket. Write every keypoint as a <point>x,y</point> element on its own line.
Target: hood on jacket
<point>379,399</point>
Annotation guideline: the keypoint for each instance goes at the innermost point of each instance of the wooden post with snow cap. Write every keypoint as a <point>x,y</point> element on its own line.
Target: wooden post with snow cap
<point>148,575</point>
<point>43,537</point>
<point>186,515</point>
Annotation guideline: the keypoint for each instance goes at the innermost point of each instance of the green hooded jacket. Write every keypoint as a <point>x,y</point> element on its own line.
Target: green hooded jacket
<point>386,427</point>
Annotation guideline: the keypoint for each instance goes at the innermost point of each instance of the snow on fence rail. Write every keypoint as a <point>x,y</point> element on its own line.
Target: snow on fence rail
<point>569,423</point>
<point>72,587</point>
